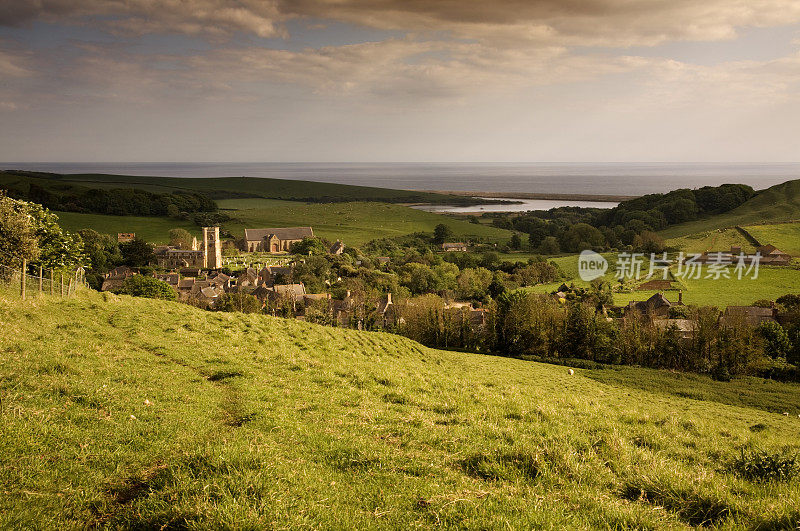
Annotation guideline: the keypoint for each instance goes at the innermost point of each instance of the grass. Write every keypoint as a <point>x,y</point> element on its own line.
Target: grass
<point>777,203</point>
<point>120,412</point>
<point>354,223</point>
<point>710,241</point>
<point>154,230</point>
<point>784,236</point>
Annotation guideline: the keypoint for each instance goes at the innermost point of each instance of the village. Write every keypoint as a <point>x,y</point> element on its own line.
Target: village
<point>199,275</point>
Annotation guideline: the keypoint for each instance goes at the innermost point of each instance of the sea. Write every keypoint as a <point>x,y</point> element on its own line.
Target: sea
<point>628,179</point>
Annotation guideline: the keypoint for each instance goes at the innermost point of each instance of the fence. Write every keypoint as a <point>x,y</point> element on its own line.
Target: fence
<point>44,281</point>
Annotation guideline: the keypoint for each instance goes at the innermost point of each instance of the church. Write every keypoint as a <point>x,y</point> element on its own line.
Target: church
<point>277,240</point>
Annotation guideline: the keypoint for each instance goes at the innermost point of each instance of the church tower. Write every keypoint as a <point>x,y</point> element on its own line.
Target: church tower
<point>212,248</point>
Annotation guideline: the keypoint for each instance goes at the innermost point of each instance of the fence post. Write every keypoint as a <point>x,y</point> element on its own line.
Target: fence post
<point>62,285</point>
<point>22,279</point>
<point>52,281</point>
<point>41,279</point>
<point>69,286</point>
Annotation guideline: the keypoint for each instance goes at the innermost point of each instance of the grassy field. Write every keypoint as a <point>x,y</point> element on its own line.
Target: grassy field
<point>784,236</point>
<point>154,230</point>
<point>777,203</point>
<point>223,187</point>
<point>353,223</point>
<point>709,241</point>
<point>142,414</point>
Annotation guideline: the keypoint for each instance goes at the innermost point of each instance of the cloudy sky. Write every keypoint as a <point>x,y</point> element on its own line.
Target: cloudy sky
<point>400,80</point>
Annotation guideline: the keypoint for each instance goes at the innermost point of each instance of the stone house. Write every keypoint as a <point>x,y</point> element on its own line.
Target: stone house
<point>456,246</point>
<point>749,315</point>
<point>276,240</point>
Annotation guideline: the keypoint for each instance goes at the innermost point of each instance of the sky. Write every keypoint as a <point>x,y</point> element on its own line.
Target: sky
<point>400,80</point>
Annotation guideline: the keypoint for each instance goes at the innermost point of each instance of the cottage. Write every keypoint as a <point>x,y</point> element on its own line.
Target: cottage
<point>684,327</point>
<point>747,315</point>
<point>771,255</point>
<point>277,240</point>
<point>124,237</point>
<point>656,306</point>
<point>271,275</point>
<point>337,248</point>
<point>457,246</point>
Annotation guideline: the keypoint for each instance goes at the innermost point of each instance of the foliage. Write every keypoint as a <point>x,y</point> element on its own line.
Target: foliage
<point>136,253</point>
<point>18,238</point>
<point>148,287</point>
<point>310,246</point>
<point>442,233</point>
<point>180,238</point>
<point>760,465</point>
<point>237,302</point>
<point>776,340</point>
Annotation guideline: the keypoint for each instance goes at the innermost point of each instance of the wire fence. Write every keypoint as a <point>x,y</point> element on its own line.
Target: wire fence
<point>32,281</point>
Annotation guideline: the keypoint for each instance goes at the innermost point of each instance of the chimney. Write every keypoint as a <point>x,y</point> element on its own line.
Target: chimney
<point>680,296</point>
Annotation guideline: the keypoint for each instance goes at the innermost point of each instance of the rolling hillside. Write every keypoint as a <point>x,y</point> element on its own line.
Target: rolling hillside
<point>228,187</point>
<point>134,413</point>
<point>778,203</point>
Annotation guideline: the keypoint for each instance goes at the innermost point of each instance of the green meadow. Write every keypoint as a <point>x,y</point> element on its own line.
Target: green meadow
<point>784,236</point>
<point>135,413</point>
<point>154,230</point>
<point>711,241</point>
<point>354,223</point>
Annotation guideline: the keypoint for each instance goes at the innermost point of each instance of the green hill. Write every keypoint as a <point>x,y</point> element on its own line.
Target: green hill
<point>777,203</point>
<point>134,413</point>
<point>227,187</point>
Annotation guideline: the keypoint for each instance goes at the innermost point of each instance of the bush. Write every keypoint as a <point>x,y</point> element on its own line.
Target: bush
<point>148,287</point>
<point>759,465</point>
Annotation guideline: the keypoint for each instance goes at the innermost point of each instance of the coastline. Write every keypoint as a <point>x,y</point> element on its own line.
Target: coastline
<point>523,195</point>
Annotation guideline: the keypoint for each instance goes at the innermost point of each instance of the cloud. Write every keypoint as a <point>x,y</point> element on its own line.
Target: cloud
<point>12,65</point>
<point>501,22</point>
<point>209,17</point>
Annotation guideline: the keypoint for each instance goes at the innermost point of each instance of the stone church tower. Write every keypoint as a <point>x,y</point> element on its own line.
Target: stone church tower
<point>212,248</point>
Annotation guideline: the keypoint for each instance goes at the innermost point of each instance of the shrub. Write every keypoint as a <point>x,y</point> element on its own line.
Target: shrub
<point>759,465</point>
<point>148,287</point>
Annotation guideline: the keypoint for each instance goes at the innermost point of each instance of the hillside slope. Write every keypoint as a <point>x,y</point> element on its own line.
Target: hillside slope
<point>777,203</point>
<point>227,187</point>
<point>125,412</point>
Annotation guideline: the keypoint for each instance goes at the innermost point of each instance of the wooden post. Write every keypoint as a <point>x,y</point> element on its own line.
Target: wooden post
<point>52,282</point>
<point>69,286</point>
<point>62,285</point>
<point>41,279</point>
<point>22,279</point>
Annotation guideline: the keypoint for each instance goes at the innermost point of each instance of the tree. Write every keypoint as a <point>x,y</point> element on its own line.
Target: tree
<point>148,287</point>
<point>238,302</point>
<point>137,252</point>
<point>442,233</point>
<point>309,246</point>
<point>17,236</point>
<point>516,242</point>
<point>549,245</point>
<point>180,238</point>
<point>582,236</point>
<point>776,340</point>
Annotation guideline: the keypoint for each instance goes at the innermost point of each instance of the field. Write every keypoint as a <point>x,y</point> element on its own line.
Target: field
<point>710,241</point>
<point>154,230</point>
<point>784,236</point>
<point>777,203</point>
<point>144,414</point>
<point>353,223</point>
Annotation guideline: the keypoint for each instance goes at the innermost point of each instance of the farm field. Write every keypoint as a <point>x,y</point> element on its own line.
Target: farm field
<point>784,236</point>
<point>777,203</point>
<point>263,422</point>
<point>710,241</point>
<point>354,223</point>
<point>154,230</point>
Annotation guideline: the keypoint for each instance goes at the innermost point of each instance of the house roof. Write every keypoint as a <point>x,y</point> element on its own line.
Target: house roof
<point>209,292</point>
<point>185,283</point>
<point>296,290</point>
<point>454,244</point>
<point>683,325</point>
<point>752,315</point>
<point>337,247</point>
<point>283,233</point>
